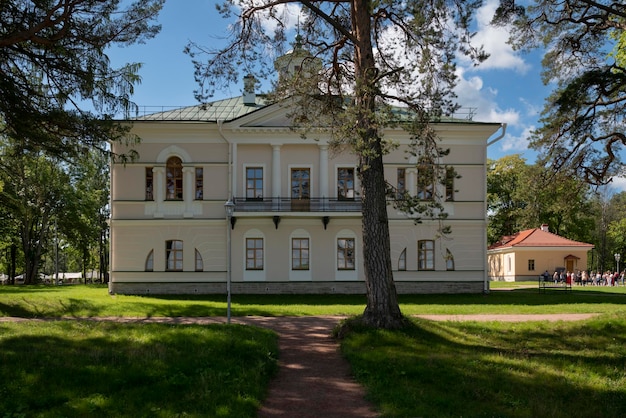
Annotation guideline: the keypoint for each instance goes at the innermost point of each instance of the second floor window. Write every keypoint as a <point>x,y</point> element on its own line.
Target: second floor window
<point>174,255</point>
<point>401,183</point>
<point>345,254</point>
<point>450,176</point>
<point>149,184</point>
<point>426,181</point>
<point>174,179</point>
<point>345,183</point>
<point>254,183</point>
<point>199,183</point>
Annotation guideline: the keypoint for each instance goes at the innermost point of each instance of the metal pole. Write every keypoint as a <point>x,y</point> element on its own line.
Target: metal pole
<point>230,206</point>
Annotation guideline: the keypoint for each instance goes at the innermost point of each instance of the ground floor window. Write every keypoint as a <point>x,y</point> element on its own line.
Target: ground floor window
<point>300,253</point>
<point>345,254</point>
<point>174,255</point>
<point>426,255</point>
<point>254,253</point>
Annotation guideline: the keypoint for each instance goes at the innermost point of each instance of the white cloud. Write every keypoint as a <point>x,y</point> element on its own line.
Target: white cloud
<point>515,144</point>
<point>471,93</point>
<point>494,41</point>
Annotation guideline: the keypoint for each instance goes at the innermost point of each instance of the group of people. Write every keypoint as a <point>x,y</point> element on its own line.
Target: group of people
<point>584,278</point>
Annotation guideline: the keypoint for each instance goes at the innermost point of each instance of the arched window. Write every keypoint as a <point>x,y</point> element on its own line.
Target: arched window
<point>174,255</point>
<point>150,261</point>
<point>402,261</point>
<point>174,179</point>
<point>199,262</point>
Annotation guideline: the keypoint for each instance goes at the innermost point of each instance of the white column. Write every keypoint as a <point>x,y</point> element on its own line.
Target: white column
<point>233,172</point>
<point>411,181</point>
<point>188,189</point>
<point>159,189</point>
<point>276,169</point>
<point>323,171</point>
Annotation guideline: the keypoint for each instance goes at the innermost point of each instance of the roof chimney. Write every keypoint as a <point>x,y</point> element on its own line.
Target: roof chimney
<point>249,97</point>
<point>545,228</point>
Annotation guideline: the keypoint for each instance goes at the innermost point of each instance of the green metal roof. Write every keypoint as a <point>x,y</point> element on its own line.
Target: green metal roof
<point>220,110</point>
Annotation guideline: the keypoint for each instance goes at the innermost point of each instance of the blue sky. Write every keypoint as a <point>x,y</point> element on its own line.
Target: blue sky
<point>506,88</point>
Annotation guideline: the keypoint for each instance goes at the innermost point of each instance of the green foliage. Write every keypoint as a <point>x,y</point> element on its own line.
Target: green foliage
<point>100,369</point>
<point>521,196</point>
<point>52,59</point>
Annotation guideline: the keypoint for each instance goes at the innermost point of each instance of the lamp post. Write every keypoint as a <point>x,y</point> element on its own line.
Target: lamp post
<point>617,257</point>
<point>230,208</point>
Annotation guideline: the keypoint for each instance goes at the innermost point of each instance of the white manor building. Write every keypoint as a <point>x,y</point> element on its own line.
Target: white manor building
<point>296,226</point>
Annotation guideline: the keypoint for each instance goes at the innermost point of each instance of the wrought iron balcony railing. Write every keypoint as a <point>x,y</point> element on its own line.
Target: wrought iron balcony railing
<point>283,204</point>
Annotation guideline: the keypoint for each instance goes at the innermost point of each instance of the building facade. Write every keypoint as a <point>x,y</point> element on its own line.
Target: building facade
<point>296,226</point>
<point>529,253</point>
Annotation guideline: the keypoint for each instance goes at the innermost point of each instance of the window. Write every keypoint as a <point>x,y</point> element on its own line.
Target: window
<point>425,181</point>
<point>300,253</point>
<point>199,262</point>
<point>149,184</point>
<point>345,254</point>
<point>254,183</point>
<point>401,184</point>
<point>450,176</point>
<point>425,255</point>
<point>254,253</point>
<point>150,261</point>
<point>199,183</point>
<point>402,261</point>
<point>174,175</point>
<point>345,183</point>
<point>449,260</point>
<point>174,255</point>
<point>300,183</point>
<point>531,265</point>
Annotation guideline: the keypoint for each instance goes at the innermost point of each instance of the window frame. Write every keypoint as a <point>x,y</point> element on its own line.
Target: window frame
<point>298,254</point>
<point>199,177</point>
<point>346,183</point>
<point>346,254</point>
<point>149,184</point>
<point>255,186</point>
<point>255,254</point>
<point>174,180</point>
<point>171,249</point>
<point>426,255</point>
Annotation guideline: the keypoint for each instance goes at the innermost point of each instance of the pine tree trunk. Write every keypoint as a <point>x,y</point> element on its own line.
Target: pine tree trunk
<point>382,310</point>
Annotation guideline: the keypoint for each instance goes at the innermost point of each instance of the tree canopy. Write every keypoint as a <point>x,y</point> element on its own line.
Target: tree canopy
<point>57,87</point>
<point>583,120</point>
<point>372,55</point>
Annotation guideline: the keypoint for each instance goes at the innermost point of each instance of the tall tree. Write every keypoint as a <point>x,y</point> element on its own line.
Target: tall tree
<point>374,54</point>
<point>582,128</point>
<point>53,65</point>
<point>34,190</point>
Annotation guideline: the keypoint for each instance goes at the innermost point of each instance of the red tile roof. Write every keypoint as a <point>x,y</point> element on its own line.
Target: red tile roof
<point>536,238</point>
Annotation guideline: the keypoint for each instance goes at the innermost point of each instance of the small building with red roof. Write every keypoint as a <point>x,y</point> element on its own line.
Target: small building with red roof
<point>529,253</point>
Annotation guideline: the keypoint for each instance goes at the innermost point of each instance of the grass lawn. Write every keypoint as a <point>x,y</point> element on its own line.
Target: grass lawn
<point>78,368</point>
<point>476,369</point>
<point>106,369</point>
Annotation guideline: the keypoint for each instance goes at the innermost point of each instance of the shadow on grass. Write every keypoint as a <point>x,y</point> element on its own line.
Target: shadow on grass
<point>439,369</point>
<point>82,368</point>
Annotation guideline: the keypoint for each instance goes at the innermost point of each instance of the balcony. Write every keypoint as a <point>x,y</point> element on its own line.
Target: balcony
<point>283,204</point>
